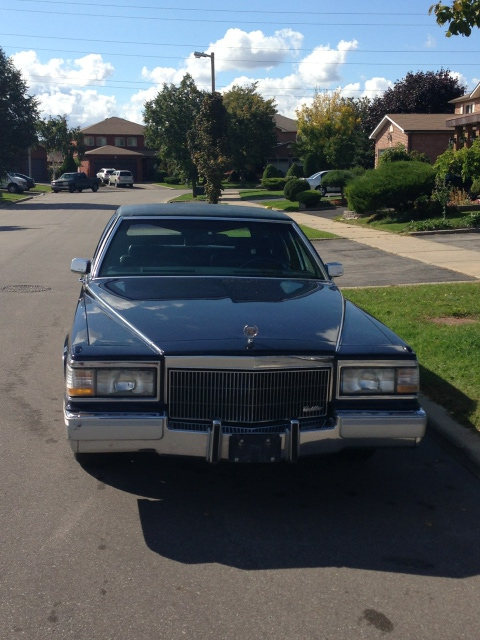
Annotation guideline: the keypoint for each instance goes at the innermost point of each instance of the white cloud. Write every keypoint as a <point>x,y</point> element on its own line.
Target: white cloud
<point>82,108</point>
<point>430,42</point>
<point>59,74</point>
<point>322,66</point>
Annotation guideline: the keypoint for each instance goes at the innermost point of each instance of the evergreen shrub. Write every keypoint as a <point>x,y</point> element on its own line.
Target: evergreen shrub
<point>274,184</point>
<point>394,185</point>
<point>310,198</point>
<point>294,187</point>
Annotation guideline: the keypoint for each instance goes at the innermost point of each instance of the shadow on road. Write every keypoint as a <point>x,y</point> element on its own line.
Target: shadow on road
<point>405,511</point>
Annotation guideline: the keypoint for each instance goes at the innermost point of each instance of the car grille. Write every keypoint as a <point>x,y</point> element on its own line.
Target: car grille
<point>247,397</point>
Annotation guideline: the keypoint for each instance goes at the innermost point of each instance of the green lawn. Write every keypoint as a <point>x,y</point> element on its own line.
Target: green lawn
<point>442,324</point>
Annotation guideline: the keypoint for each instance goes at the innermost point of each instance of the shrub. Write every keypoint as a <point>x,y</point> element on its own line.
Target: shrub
<point>294,187</point>
<point>295,171</point>
<point>274,184</point>
<point>393,185</point>
<point>471,220</point>
<point>310,198</point>
<point>429,225</point>
<point>271,171</point>
<point>172,180</point>
<point>337,179</point>
<point>475,189</point>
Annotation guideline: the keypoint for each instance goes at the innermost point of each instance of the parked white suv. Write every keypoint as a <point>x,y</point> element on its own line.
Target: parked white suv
<point>121,178</point>
<point>104,174</point>
<point>13,183</point>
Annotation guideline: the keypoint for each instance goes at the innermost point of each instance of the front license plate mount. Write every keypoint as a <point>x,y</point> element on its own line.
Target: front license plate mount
<point>255,447</point>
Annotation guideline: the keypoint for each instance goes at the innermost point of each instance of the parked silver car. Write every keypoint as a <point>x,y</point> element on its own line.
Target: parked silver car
<point>12,183</point>
<point>315,182</point>
<point>104,174</point>
<point>121,178</point>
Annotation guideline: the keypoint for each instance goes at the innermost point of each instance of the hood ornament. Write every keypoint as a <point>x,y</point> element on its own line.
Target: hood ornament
<point>250,332</point>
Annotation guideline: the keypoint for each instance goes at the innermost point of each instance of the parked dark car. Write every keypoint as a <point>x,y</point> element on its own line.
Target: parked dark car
<point>75,181</point>
<point>216,331</point>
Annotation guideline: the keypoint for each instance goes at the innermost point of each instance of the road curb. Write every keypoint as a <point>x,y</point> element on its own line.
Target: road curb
<point>464,439</point>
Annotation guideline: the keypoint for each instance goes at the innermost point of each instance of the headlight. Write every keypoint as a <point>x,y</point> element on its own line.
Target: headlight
<point>378,380</point>
<point>108,383</point>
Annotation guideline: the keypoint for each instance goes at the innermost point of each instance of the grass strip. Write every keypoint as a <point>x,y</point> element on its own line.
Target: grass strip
<point>442,324</point>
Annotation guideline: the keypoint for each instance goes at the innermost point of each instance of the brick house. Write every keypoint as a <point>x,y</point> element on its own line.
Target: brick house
<point>282,156</point>
<point>423,132</point>
<point>118,143</point>
<point>466,120</point>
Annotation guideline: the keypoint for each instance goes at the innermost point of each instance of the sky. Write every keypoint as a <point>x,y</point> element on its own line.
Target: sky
<point>90,61</point>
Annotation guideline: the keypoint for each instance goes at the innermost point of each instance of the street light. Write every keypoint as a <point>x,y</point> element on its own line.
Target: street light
<point>201,54</point>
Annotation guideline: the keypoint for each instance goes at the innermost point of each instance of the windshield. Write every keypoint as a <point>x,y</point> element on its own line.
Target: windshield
<point>209,247</point>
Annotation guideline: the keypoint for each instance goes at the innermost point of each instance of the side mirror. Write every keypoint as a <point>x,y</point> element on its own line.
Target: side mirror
<point>80,265</point>
<point>334,269</point>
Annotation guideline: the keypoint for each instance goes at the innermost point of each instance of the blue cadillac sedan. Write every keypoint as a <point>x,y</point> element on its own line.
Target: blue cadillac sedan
<point>217,332</point>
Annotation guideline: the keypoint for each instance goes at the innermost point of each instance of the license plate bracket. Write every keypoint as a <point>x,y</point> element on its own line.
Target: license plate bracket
<point>255,447</point>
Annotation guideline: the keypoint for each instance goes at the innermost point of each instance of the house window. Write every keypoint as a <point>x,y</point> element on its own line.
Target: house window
<point>131,142</point>
<point>101,141</point>
<point>119,142</point>
<point>88,141</point>
<point>469,108</point>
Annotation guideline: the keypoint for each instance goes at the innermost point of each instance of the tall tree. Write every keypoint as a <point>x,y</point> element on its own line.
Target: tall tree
<point>55,135</point>
<point>209,145</point>
<point>251,127</point>
<point>326,128</point>
<point>168,118</point>
<point>18,114</point>
<point>421,92</point>
<point>461,16</point>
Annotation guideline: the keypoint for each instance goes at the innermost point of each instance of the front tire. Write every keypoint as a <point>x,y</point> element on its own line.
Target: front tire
<point>71,189</point>
<point>94,187</point>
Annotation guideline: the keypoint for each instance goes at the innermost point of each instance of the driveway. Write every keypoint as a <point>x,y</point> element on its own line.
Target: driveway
<point>366,266</point>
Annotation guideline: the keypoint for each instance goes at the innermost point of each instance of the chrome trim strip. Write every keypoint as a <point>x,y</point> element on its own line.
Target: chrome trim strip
<point>117,316</point>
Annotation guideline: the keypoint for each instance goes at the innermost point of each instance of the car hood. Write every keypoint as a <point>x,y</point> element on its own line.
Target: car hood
<point>216,315</point>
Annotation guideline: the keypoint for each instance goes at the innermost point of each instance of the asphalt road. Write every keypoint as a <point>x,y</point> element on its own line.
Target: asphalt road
<point>144,548</point>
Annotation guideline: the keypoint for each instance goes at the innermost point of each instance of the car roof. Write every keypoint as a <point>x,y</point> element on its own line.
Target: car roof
<point>200,210</point>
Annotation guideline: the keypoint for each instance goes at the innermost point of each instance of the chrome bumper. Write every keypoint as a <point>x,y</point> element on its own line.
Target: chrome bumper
<point>124,432</point>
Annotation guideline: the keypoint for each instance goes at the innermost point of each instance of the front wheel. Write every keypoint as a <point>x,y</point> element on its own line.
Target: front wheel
<point>55,190</point>
<point>71,189</point>
<point>94,187</point>
<point>322,190</point>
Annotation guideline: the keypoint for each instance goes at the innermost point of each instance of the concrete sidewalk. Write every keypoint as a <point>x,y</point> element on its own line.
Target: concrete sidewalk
<point>422,249</point>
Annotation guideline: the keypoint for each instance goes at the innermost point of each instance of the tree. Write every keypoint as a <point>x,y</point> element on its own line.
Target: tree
<point>168,119</point>
<point>421,92</point>
<point>208,143</point>
<point>326,128</point>
<point>251,127</point>
<point>18,114</point>
<point>55,135</point>
<point>461,16</point>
